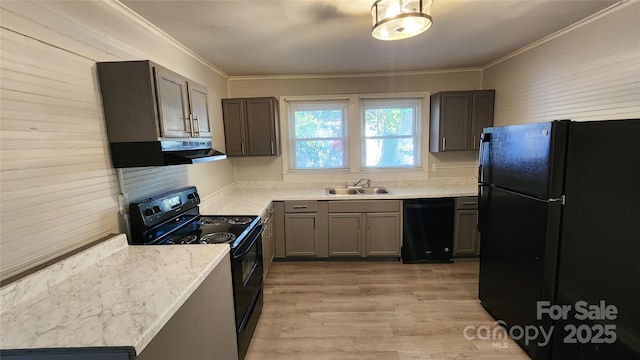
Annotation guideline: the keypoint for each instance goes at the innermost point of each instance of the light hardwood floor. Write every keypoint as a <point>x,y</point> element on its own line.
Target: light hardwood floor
<point>374,310</point>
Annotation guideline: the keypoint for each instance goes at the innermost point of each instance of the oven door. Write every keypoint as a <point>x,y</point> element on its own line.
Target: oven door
<point>246,270</point>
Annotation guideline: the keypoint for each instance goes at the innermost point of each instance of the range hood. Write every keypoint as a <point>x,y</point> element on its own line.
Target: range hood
<point>163,153</point>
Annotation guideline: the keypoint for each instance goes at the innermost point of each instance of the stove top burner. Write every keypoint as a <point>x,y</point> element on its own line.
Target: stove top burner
<point>218,238</point>
<point>185,239</point>
<point>240,220</point>
<point>213,220</point>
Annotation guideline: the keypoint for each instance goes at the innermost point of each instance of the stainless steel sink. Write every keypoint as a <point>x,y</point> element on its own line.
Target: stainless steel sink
<point>373,190</point>
<point>339,191</point>
<point>357,191</point>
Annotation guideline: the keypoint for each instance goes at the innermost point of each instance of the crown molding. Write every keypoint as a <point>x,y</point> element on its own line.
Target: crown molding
<point>604,12</point>
<point>360,75</point>
<point>123,10</point>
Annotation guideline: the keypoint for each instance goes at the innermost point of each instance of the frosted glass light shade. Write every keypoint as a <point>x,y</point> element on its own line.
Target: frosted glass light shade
<point>400,19</point>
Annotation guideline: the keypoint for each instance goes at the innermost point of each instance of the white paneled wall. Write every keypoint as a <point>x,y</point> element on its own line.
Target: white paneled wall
<point>588,72</point>
<point>58,189</point>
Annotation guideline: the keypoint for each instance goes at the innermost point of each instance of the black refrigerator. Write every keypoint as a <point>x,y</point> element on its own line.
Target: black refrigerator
<point>559,217</point>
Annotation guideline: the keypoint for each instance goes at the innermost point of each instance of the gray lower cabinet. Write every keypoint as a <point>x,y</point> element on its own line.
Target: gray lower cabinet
<point>199,330</point>
<point>383,234</point>
<point>364,228</point>
<point>345,234</point>
<point>305,229</point>
<point>466,241</point>
<point>302,234</point>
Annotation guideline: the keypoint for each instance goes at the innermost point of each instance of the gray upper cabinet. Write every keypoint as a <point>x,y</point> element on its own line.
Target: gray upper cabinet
<point>144,101</point>
<point>482,104</point>
<point>251,126</point>
<point>198,96</point>
<point>457,119</point>
<point>173,104</point>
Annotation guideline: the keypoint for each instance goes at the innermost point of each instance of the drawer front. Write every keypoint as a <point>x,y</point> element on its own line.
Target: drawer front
<point>300,206</point>
<point>467,202</point>
<point>362,206</point>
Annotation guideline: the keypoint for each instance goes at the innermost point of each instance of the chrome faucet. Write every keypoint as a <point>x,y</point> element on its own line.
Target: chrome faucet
<point>362,183</point>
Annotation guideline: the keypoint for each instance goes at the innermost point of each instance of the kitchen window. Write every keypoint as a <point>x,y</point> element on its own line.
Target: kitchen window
<point>318,135</point>
<point>390,131</point>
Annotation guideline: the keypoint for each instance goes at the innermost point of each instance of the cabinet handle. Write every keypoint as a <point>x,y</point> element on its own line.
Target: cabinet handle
<point>242,147</point>
<point>196,121</point>
<point>474,142</point>
<point>272,152</point>
<point>300,206</point>
<point>191,125</point>
<point>469,203</point>
<point>444,144</point>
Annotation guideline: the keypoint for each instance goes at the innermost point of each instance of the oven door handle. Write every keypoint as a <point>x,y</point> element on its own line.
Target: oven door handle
<point>255,238</point>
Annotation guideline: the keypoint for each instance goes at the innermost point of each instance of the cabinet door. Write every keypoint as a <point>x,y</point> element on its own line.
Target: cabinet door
<point>345,234</point>
<point>234,126</point>
<point>199,110</point>
<point>454,121</point>
<point>261,126</point>
<point>481,114</point>
<point>172,104</point>
<point>301,237</point>
<point>465,241</point>
<point>383,234</point>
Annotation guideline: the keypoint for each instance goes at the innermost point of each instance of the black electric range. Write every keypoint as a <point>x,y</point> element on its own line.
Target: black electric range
<point>173,218</point>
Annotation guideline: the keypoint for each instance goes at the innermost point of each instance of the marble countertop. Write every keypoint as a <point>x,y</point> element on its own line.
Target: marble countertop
<point>253,198</point>
<point>111,294</point>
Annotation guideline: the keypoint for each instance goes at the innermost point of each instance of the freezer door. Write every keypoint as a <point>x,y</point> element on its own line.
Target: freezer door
<point>600,251</point>
<point>518,259</point>
<point>527,159</point>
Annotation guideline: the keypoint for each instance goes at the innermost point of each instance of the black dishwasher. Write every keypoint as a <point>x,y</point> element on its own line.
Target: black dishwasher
<point>427,230</point>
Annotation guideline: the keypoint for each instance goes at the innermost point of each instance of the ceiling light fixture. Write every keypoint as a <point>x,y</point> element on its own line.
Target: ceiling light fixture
<point>400,19</point>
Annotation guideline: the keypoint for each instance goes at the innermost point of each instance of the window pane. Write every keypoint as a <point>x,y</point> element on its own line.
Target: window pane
<point>319,154</point>
<point>389,152</point>
<point>318,123</point>
<point>389,121</point>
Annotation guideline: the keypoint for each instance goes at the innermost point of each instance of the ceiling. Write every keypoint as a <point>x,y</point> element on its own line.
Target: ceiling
<point>274,37</point>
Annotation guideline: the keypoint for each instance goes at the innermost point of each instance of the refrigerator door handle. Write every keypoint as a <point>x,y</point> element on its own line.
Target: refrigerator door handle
<point>484,138</point>
<point>562,200</point>
<point>482,184</point>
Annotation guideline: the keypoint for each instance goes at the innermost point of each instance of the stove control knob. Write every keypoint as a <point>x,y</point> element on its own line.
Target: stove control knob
<point>148,212</point>
<point>156,209</point>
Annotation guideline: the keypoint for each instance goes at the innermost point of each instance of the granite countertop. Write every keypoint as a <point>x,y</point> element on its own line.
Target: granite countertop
<point>111,294</point>
<point>253,198</point>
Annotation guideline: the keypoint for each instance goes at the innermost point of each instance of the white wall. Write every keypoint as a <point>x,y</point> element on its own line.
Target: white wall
<point>588,72</point>
<point>447,164</point>
<point>58,189</point>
